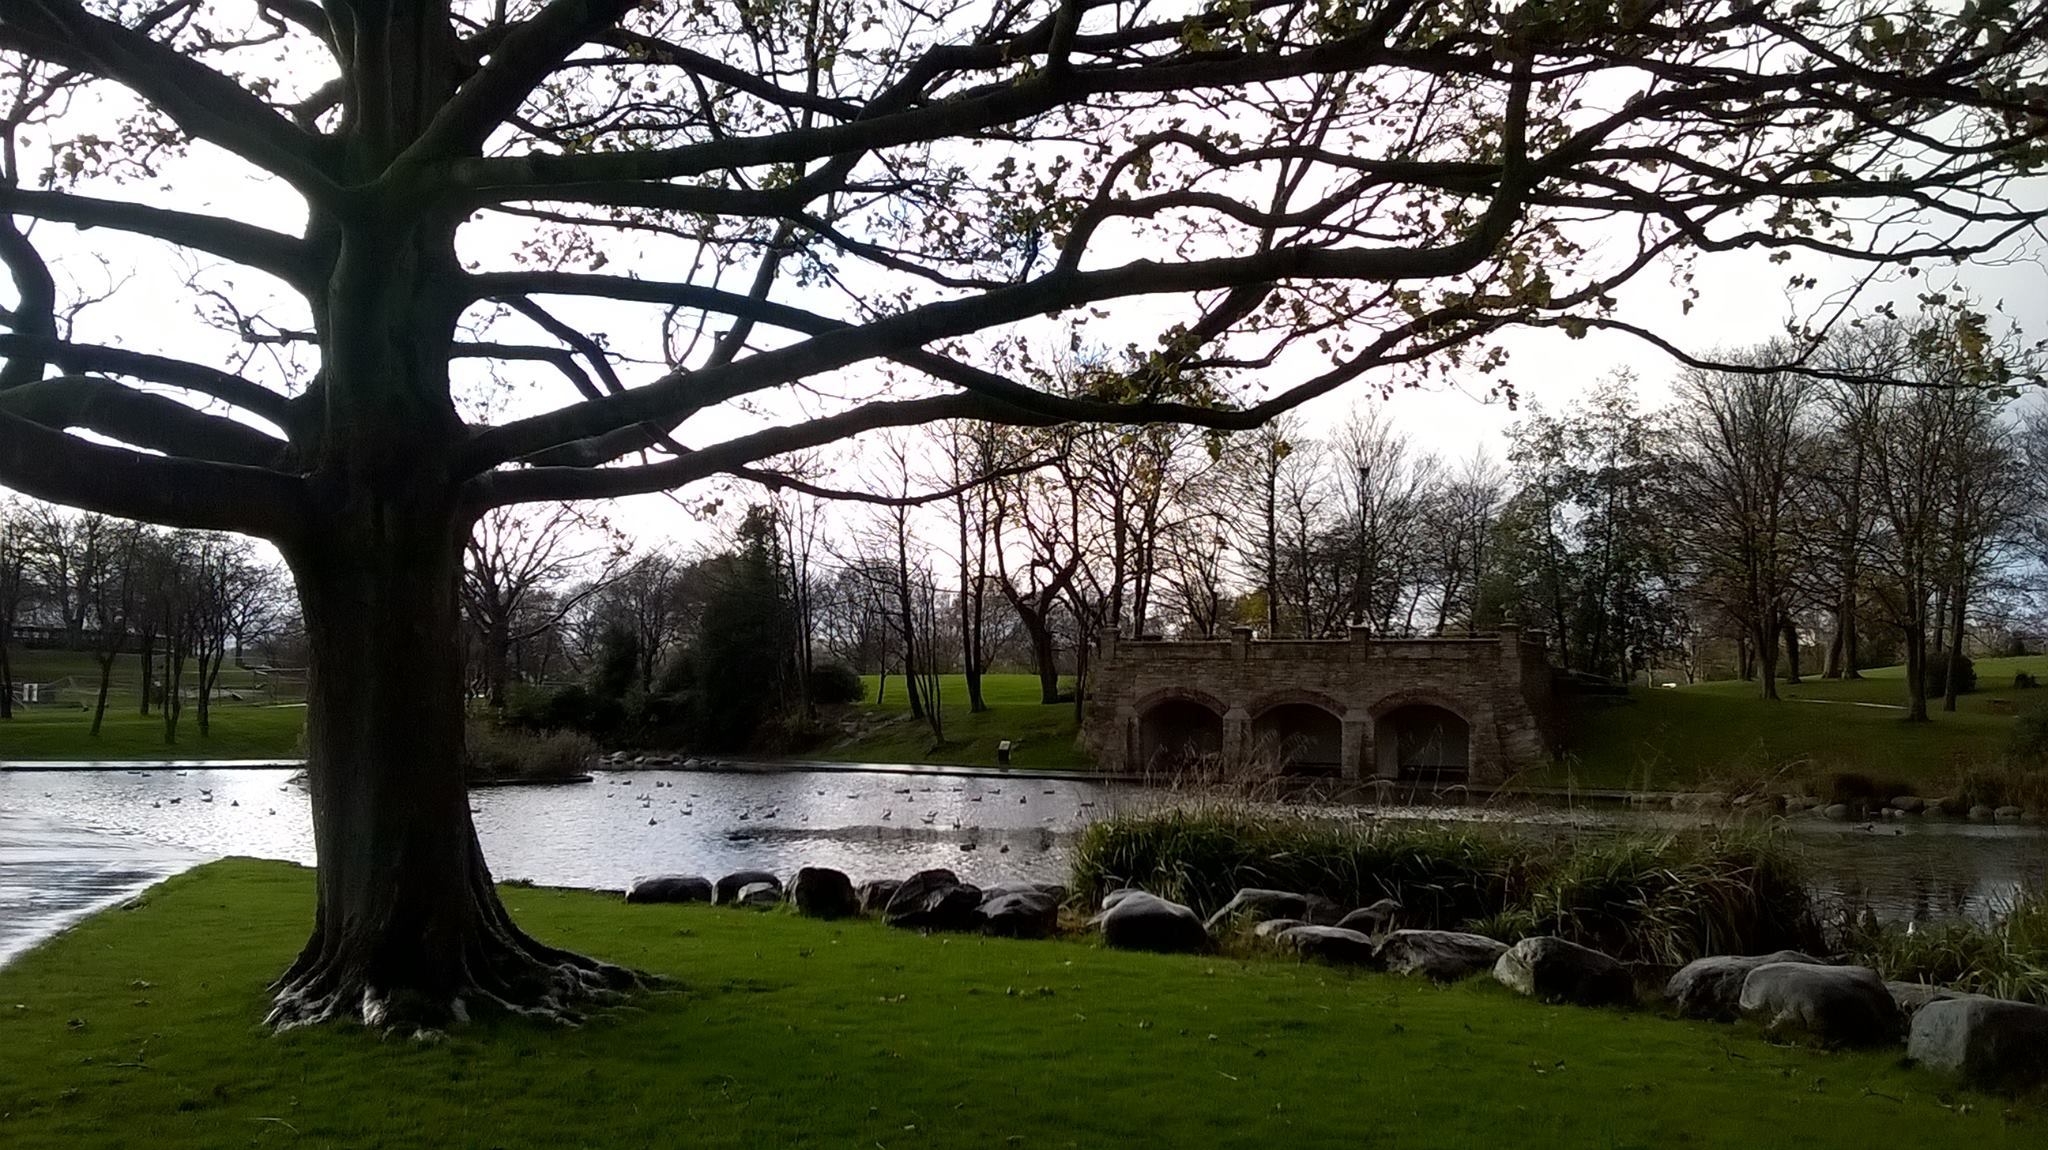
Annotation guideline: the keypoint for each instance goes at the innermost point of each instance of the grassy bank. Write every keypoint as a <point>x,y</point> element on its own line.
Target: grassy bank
<point>1694,736</point>
<point>1680,739</point>
<point>244,726</point>
<point>1043,735</point>
<point>238,732</point>
<point>138,1028</point>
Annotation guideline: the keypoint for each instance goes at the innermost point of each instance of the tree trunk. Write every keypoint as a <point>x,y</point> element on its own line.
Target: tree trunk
<point>1791,631</point>
<point>1955,649</point>
<point>99,707</point>
<point>172,704</point>
<point>497,651</point>
<point>1849,651</point>
<point>970,615</point>
<point>1766,641</point>
<point>1046,655</point>
<point>148,657</point>
<point>1916,656</point>
<point>408,931</point>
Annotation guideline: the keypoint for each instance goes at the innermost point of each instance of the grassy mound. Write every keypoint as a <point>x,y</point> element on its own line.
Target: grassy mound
<point>139,1028</point>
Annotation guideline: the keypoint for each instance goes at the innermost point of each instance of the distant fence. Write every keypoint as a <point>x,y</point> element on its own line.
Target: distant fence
<point>256,686</point>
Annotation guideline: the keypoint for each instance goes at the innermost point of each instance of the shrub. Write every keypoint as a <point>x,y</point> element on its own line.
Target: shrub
<point>2027,741</point>
<point>495,752</point>
<point>2023,681</point>
<point>2007,957</point>
<point>1855,787</point>
<point>1935,675</point>
<point>1667,901</point>
<point>571,708</point>
<point>2016,786</point>
<point>834,683</point>
<point>1660,899</point>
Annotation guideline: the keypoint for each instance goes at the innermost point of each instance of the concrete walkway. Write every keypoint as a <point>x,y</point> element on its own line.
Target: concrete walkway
<point>52,875</point>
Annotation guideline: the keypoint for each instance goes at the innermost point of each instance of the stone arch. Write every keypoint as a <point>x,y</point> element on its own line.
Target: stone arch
<point>1422,736</point>
<point>1177,728</point>
<point>1185,694</point>
<point>1304,733</point>
<point>1272,699</point>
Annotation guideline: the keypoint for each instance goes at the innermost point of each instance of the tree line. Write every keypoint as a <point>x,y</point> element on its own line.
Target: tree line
<point>1877,505</point>
<point>179,603</point>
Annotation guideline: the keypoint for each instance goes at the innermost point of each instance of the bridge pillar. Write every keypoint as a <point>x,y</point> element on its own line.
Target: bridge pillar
<point>1237,730</point>
<point>1357,752</point>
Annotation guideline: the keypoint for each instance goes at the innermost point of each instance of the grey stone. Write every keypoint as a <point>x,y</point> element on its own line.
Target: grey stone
<point>934,900</point>
<point>1020,914</point>
<point>759,895</point>
<point>1052,890</point>
<point>1980,813</point>
<point>821,892</point>
<point>669,888</point>
<point>1272,927</point>
<point>2007,814</point>
<point>1329,943</point>
<point>1837,812</point>
<point>1141,921</point>
<point>876,893</point>
<point>1374,919</point>
<point>1837,1005</point>
<point>1444,955</point>
<point>1255,904</point>
<point>1559,970</point>
<point>1988,1041</point>
<point>1911,996</point>
<point>1116,896</point>
<point>729,887</point>
<point>1911,804</point>
<point>1711,987</point>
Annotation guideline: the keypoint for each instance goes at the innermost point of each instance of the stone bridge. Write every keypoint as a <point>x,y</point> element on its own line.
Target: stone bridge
<point>1438,710</point>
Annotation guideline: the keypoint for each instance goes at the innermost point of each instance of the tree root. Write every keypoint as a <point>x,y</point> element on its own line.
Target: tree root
<point>553,986</point>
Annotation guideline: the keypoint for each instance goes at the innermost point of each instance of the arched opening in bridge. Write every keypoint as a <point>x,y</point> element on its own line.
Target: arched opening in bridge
<point>1176,734</point>
<point>1421,743</point>
<point>1302,738</point>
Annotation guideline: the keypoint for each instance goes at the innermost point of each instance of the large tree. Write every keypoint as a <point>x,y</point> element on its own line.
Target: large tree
<point>907,190</point>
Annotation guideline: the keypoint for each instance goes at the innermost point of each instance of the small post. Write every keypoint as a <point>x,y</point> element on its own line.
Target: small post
<point>1003,753</point>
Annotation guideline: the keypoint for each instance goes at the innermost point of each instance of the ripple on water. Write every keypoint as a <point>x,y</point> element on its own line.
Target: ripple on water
<point>603,834</point>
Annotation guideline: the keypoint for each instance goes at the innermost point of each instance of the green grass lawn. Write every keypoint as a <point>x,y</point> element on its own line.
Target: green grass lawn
<point>238,732</point>
<point>139,1028</point>
<point>1043,735</point>
<point>243,728</point>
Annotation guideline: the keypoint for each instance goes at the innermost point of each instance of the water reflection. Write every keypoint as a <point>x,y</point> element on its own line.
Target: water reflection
<point>628,823</point>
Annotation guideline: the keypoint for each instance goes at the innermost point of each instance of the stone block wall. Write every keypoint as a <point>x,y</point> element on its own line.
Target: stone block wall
<point>1499,684</point>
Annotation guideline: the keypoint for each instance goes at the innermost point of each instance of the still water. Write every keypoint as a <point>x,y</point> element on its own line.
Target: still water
<point>72,840</point>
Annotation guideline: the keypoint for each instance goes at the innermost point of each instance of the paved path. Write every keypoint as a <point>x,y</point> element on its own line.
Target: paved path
<point>52,875</point>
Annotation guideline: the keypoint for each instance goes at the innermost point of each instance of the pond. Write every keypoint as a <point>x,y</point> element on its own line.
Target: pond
<point>88,837</point>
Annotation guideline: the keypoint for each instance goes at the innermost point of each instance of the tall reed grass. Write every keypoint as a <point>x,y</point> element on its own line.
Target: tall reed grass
<point>2007,958</point>
<point>1660,900</point>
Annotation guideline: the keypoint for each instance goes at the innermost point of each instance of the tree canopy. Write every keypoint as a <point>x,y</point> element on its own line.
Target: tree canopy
<point>898,193</point>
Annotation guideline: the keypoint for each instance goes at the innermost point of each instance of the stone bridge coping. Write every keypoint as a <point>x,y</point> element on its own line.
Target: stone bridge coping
<point>1242,641</point>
